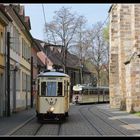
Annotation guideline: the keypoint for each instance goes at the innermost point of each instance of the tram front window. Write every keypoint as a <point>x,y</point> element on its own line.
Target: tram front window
<point>51,89</point>
<point>43,88</point>
<point>59,88</point>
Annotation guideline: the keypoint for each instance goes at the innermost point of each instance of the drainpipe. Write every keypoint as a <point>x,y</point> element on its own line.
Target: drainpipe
<point>31,81</point>
<point>8,74</point>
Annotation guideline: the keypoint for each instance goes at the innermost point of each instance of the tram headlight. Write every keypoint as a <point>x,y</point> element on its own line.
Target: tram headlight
<point>51,109</point>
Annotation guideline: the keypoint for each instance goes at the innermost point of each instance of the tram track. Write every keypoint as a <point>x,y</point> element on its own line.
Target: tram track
<point>105,114</point>
<point>87,119</point>
<point>106,128</point>
<point>101,118</point>
<point>35,128</point>
<point>38,129</point>
<point>20,126</point>
<point>27,128</point>
<point>59,128</point>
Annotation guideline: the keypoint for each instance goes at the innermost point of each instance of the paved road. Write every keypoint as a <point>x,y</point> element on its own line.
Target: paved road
<point>84,120</point>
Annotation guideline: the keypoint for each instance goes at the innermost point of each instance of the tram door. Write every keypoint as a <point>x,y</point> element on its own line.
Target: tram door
<point>66,93</point>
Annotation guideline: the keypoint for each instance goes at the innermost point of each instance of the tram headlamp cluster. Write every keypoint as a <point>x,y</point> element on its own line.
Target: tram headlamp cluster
<point>51,109</point>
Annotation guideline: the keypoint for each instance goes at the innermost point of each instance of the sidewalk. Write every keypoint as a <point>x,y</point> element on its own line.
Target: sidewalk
<point>9,124</point>
<point>127,118</point>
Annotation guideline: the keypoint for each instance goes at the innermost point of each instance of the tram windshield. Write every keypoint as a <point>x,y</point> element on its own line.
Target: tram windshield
<point>51,88</point>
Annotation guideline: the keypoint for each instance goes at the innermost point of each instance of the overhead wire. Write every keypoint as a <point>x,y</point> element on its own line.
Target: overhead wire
<point>100,28</point>
<point>44,14</point>
<point>113,6</point>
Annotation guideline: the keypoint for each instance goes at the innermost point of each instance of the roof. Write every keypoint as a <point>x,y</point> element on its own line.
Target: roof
<point>38,43</point>
<point>41,55</point>
<point>40,63</point>
<point>55,55</point>
<point>52,74</point>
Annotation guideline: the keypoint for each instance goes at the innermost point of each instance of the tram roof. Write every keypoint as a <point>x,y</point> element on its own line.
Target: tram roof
<point>79,87</point>
<point>52,74</point>
<point>96,88</point>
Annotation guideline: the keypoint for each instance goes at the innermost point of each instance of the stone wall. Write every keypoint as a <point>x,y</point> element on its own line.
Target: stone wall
<point>125,45</point>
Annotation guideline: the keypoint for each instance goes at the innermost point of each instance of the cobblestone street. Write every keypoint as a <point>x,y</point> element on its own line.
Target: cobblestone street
<point>83,120</point>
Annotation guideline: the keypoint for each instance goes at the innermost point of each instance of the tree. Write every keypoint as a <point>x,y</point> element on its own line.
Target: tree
<point>97,51</point>
<point>106,39</point>
<point>62,30</point>
<point>80,46</point>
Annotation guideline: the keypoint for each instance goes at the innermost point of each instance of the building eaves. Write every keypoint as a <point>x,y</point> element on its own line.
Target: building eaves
<point>27,22</point>
<point>5,19</point>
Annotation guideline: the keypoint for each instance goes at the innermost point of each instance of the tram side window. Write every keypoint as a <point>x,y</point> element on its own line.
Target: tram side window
<point>43,88</point>
<point>59,91</point>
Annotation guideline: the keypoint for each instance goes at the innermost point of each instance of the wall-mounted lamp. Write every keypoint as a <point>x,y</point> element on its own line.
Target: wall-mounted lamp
<point>128,61</point>
<point>16,67</point>
<point>138,55</point>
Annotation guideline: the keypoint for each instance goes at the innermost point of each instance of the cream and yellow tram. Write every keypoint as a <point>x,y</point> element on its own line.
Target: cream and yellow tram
<point>52,102</point>
<point>83,94</point>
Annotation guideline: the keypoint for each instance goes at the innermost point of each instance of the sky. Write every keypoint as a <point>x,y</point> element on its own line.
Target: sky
<point>92,12</point>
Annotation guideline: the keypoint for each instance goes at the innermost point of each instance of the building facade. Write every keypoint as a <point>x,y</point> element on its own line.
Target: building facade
<point>4,22</point>
<point>20,54</point>
<point>124,65</point>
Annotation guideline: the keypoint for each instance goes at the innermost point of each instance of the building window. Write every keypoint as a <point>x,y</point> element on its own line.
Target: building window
<point>26,50</point>
<point>15,40</point>
<point>26,86</point>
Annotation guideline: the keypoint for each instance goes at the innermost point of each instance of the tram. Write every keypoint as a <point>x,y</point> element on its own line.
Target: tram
<point>83,94</point>
<point>52,101</point>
